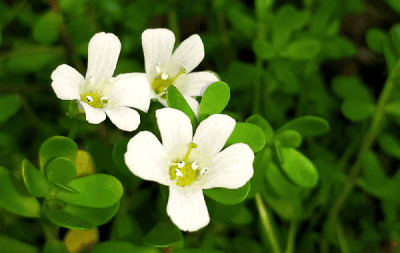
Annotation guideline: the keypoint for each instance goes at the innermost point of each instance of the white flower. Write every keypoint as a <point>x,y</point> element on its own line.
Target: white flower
<point>164,68</point>
<point>100,93</point>
<point>189,164</point>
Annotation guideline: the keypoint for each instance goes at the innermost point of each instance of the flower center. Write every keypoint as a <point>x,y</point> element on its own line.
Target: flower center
<point>163,81</point>
<point>94,100</point>
<point>184,171</point>
<point>92,92</point>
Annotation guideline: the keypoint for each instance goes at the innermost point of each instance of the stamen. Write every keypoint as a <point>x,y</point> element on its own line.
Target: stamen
<point>89,98</point>
<point>104,100</point>
<point>181,164</point>
<point>178,173</point>
<point>164,76</point>
<point>203,170</point>
<point>158,69</point>
<point>194,166</point>
<point>192,146</point>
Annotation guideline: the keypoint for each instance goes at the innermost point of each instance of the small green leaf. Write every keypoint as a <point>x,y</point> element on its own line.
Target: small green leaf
<point>96,216</point>
<point>61,170</point>
<point>395,35</point>
<point>389,144</point>
<point>373,173</point>
<point>307,126</point>
<point>35,181</point>
<point>242,75</point>
<point>53,246</point>
<point>97,191</point>
<point>288,138</point>
<point>10,245</point>
<point>46,28</point>
<point>286,208</point>
<point>338,47</point>
<point>263,49</point>
<point>228,196</point>
<point>261,161</point>
<point>249,134</point>
<point>118,156</point>
<point>350,87</point>
<point>57,146</point>
<point>214,100</point>
<point>374,38</point>
<point>199,251</point>
<point>298,167</point>
<point>357,110</point>
<point>389,53</point>
<point>279,183</point>
<point>121,247</point>
<point>393,108</point>
<point>302,49</point>
<point>163,235</point>
<point>176,100</point>
<point>9,106</point>
<point>394,4</point>
<point>67,220</point>
<point>14,201</point>
<point>258,120</point>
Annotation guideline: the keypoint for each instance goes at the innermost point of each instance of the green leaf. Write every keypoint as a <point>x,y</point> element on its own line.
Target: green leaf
<point>57,146</point>
<point>263,49</point>
<point>395,35</point>
<point>249,134</point>
<point>102,155</point>
<point>12,200</point>
<point>389,144</point>
<point>393,108</point>
<point>163,235</point>
<point>374,38</point>
<point>298,167</point>
<point>214,100</point>
<point>258,120</point>
<point>394,4</point>
<point>357,110</point>
<point>350,87</point>
<point>289,138</point>
<point>279,183</point>
<point>228,196</point>
<point>61,170</point>
<point>53,246</point>
<point>242,22</point>
<point>118,156</point>
<point>67,220</point>
<point>287,76</point>
<point>261,161</point>
<point>199,251</point>
<point>302,49</point>
<point>11,245</point>
<point>9,106</point>
<point>96,216</point>
<point>242,75</point>
<point>373,172</point>
<point>389,53</point>
<point>286,208</point>
<point>35,181</point>
<point>176,100</point>
<point>46,28</point>
<point>121,247</point>
<point>338,47</point>
<point>262,9</point>
<point>306,126</point>
<point>97,191</point>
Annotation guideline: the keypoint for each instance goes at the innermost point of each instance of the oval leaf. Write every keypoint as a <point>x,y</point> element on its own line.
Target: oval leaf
<point>260,164</point>
<point>67,220</point>
<point>372,170</point>
<point>389,144</point>
<point>199,251</point>
<point>35,181</point>
<point>96,216</point>
<point>357,110</point>
<point>374,38</point>
<point>10,245</point>
<point>258,120</point>
<point>303,49</point>
<point>14,201</point>
<point>61,170</point>
<point>289,138</point>
<point>298,167</point>
<point>176,100</point>
<point>214,100</point>
<point>228,196</point>
<point>307,126</point>
<point>279,183</point>
<point>46,28</point>
<point>163,235</point>
<point>121,247</point>
<point>249,134</point>
<point>97,191</point>
<point>9,105</point>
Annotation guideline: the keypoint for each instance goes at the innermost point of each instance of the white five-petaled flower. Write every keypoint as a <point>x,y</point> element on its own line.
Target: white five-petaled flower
<point>164,68</point>
<point>99,93</point>
<point>188,164</point>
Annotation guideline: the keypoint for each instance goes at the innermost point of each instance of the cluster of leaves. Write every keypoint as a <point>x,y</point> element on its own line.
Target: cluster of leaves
<point>274,58</point>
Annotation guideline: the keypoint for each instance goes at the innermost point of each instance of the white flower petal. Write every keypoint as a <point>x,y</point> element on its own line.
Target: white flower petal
<point>187,208</point>
<point>189,54</point>
<point>194,105</point>
<point>157,47</point>
<point>66,82</point>
<point>93,115</point>
<point>211,136</point>
<point>133,91</point>
<point>194,84</point>
<point>124,118</point>
<point>129,75</point>
<point>176,130</point>
<point>231,168</point>
<point>104,49</point>
<point>147,158</point>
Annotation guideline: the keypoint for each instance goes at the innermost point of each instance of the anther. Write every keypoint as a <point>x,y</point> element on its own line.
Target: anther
<point>181,164</point>
<point>183,70</point>
<point>89,98</point>
<point>104,100</point>
<point>203,170</point>
<point>164,76</point>
<point>178,173</point>
<point>158,69</point>
<point>194,166</point>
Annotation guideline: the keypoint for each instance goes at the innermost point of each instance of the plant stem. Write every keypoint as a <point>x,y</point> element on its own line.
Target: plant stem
<point>291,237</point>
<point>344,247</point>
<point>368,139</point>
<point>265,219</point>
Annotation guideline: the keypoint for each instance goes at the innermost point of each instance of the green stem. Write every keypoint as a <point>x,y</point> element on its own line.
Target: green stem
<point>368,139</point>
<point>291,237</point>
<point>265,220</point>
<point>344,247</point>
<point>173,22</point>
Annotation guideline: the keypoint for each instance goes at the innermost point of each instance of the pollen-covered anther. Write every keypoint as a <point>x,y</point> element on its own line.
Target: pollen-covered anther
<point>158,69</point>
<point>104,100</point>
<point>194,166</point>
<point>89,99</point>
<point>178,173</point>
<point>164,76</point>
<point>203,171</point>
<point>181,164</point>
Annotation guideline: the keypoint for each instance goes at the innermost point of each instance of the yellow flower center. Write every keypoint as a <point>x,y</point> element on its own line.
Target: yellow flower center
<point>185,171</point>
<point>163,81</point>
<point>94,100</point>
